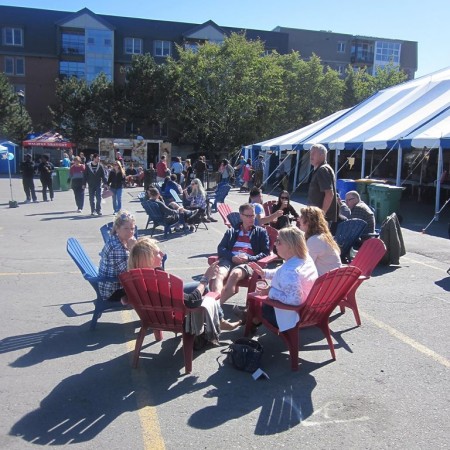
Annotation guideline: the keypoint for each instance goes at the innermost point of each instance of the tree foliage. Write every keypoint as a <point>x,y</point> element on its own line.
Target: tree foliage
<point>15,121</point>
<point>216,97</point>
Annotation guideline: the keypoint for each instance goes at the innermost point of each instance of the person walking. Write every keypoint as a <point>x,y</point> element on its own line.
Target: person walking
<point>200,169</point>
<point>27,168</point>
<point>94,176</point>
<point>45,174</point>
<point>77,182</point>
<point>116,181</point>
<point>322,187</point>
<point>259,166</point>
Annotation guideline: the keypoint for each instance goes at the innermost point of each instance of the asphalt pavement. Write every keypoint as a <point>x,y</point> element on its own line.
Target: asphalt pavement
<point>64,384</point>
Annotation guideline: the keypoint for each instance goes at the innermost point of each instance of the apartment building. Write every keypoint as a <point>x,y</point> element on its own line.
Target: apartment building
<point>39,46</point>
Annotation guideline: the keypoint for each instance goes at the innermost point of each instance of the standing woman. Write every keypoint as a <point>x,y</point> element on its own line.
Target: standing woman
<point>188,173</point>
<point>76,174</point>
<point>114,256</point>
<point>322,248</point>
<point>247,175</point>
<point>288,210</point>
<point>116,181</point>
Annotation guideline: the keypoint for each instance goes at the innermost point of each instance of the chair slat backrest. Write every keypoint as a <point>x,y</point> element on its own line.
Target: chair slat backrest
<point>234,218</point>
<point>268,206</point>
<point>348,232</point>
<point>326,293</point>
<point>176,197</point>
<point>369,255</point>
<point>273,235</point>
<point>157,298</point>
<point>81,258</point>
<point>222,192</point>
<point>224,210</point>
<point>153,211</point>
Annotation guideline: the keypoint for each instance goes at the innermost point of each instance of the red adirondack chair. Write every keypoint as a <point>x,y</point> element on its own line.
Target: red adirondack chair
<point>326,293</point>
<point>224,210</point>
<point>157,298</point>
<point>268,206</point>
<point>369,255</point>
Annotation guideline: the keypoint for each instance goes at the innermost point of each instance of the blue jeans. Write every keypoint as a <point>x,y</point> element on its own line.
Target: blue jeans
<point>95,198</point>
<point>117,199</point>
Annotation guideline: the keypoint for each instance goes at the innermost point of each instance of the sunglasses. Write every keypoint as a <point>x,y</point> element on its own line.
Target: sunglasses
<point>126,216</point>
<point>284,198</point>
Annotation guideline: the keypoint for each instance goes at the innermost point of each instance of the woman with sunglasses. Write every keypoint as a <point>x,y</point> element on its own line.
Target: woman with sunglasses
<point>288,211</point>
<point>197,199</point>
<point>322,247</point>
<point>290,282</point>
<point>114,256</point>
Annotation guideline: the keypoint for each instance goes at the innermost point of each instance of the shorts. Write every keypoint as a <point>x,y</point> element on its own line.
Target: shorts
<point>226,263</point>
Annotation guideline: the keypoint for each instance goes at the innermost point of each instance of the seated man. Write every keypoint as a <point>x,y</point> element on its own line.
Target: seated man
<point>256,200</point>
<point>174,213</point>
<point>170,182</point>
<point>130,175</point>
<point>239,246</point>
<point>359,210</point>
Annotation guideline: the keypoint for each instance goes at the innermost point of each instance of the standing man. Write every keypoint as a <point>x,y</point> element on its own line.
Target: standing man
<point>161,169</point>
<point>95,176</point>
<point>45,175</point>
<point>259,166</point>
<point>359,210</point>
<point>239,168</point>
<point>322,187</point>
<point>27,168</point>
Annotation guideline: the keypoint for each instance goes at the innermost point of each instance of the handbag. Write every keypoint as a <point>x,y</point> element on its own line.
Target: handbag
<point>245,354</point>
<point>106,193</point>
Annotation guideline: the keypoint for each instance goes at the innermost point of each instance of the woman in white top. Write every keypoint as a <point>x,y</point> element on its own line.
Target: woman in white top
<point>292,281</point>
<point>322,247</point>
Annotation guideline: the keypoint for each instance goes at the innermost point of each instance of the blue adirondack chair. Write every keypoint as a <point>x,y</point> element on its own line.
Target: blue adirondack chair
<point>156,217</point>
<point>90,274</point>
<point>347,234</point>
<point>219,195</point>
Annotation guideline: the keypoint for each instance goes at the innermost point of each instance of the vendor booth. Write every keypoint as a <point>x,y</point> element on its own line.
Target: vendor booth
<point>51,144</point>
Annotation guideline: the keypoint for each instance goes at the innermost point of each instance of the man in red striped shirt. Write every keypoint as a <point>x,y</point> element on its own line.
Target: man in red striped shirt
<point>237,248</point>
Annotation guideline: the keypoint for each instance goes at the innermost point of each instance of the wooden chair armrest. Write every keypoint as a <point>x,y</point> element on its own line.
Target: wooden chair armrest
<point>275,303</point>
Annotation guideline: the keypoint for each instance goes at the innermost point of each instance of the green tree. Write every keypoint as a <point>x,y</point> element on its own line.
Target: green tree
<point>15,121</point>
<point>84,112</point>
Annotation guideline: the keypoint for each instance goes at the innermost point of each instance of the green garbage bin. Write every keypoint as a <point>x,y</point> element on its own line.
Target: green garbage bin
<point>361,187</point>
<point>55,182</point>
<point>63,175</point>
<point>385,199</point>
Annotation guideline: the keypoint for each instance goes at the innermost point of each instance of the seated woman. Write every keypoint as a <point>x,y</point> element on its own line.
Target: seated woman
<point>323,249</point>
<point>146,254</point>
<point>288,210</point>
<point>292,281</point>
<point>196,199</point>
<point>114,256</point>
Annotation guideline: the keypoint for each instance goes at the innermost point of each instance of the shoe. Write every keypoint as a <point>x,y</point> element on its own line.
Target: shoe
<point>100,213</point>
<point>92,213</point>
<point>27,201</point>
<point>78,210</point>
<point>240,313</point>
<point>46,200</point>
<point>35,201</point>
<point>207,220</point>
<point>211,219</point>
<point>191,228</point>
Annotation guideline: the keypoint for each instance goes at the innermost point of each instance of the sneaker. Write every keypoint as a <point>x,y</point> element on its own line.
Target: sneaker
<point>92,213</point>
<point>211,219</point>
<point>100,213</point>
<point>36,201</point>
<point>191,228</point>
<point>207,220</point>
<point>27,201</point>
<point>78,210</point>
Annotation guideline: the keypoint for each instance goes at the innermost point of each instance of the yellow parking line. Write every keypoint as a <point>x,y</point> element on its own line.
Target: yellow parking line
<point>407,340</point>
<point>423,264</point>
<point>148,416</point>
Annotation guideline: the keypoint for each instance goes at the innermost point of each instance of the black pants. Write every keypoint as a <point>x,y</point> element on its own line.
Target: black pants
<point>95,198</point>
<point>47,184</point>
<point>28,187</point>
<point>78,192</point>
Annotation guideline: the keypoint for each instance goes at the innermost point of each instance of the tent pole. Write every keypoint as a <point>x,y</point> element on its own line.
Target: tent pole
<point>363,162</point>
<point>336,161</point>
<point>297,163</point>
<point>399,164</point>
<point>438,181</point>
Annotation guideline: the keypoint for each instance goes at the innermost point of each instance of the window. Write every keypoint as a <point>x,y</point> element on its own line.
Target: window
<point>72,43</point>
<point>14,66</point>
<point>13,36</point>
<point>133,46</point>
<point>386,52</point>
<point>162,48</point>
<point>71,69</point>
<point>9,65</point>
<point>341,47</point>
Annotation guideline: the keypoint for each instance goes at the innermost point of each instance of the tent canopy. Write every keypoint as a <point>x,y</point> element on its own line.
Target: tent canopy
<point>388,116</point>
<point>48,139</point>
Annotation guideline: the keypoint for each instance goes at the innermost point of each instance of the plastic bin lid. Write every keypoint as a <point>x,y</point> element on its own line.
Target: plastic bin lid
<point>370,181</point>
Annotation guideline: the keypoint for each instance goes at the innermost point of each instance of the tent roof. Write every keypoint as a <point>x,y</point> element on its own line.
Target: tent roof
<point>389,115</point>
<point>48,139</point>
<point>291,140</point>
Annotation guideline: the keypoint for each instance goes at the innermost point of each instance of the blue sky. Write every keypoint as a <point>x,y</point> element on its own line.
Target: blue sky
<point>423,21</point>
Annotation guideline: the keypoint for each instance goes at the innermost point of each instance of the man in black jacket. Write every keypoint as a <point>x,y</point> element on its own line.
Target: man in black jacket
<point>95,177</point>
<point>45,174</point>
<point>27,168</point>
